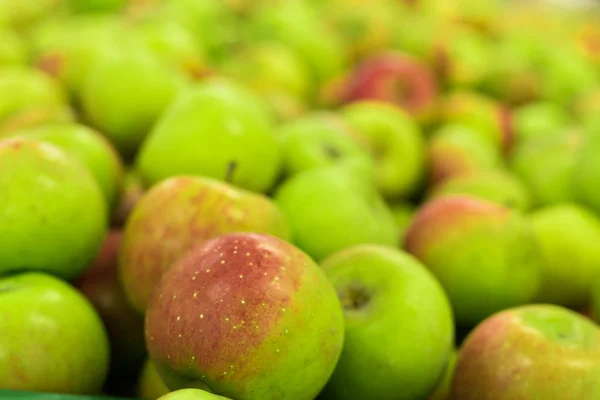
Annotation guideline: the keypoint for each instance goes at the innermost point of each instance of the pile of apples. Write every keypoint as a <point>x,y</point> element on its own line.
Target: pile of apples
<point>298,200</point>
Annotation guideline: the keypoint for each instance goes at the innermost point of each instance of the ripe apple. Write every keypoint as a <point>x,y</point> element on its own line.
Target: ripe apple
<point>179,213</point>
<point>567,235</point>
<point>538,119</point>
<point>484,254</point>
<point>206,129</point>
<point>498,186</point>
<point>51,339</point>
<point>248,316</point>
<point>317,202</point>
<point>125,327</point>
<point>192,394</point>
<point>319,139</point>
<point>395,142</point>
<point>90,148</point>
<point>456,150</point>
<point>395,312</point>
<point>536,351</point>
<point>53,216</point>
<point>150,384</point>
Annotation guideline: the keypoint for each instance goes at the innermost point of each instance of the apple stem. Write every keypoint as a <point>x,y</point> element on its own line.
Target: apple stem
<point>231,167</point>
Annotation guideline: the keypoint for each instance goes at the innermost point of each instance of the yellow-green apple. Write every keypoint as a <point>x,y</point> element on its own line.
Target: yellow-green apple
<point>89,147</point>
<point>248,316</point>
<point>53,215</point>
<point>395,142</point>
<point>399,325</point>
<point>587,169</point>
<point>538,119</point>
<point>484,254</point>
<point>318,139</point>
<point>317,202</point>
<point>150,385</point>
<point>124,326</point>
<point>192,394</point>
<point>14,50</point>
<point>455,150</point>
<point>95,6</point>
<point>535,351</point>
<point>206,129</point>
<point>179,213</point>
<point>51,339</point>
<point>498,186</point>
<point>587,110</point>
<point>567,235</point>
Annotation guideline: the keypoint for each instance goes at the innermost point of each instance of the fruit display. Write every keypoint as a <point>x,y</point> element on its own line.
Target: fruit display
<point>299,200</point>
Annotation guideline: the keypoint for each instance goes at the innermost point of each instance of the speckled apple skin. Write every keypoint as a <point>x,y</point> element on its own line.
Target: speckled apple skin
<point>484,254</point>
<point>248,316</point>
<point>182,212</point>
<point>508,358</point>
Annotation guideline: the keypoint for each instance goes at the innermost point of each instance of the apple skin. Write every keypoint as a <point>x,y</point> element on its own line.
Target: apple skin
<point>484,254</point>
<point>207,128</point>
<point>150,384</point>
<point>14,49</point>
<point>34,225</point>
<point>395,142</point>
<point>319,139</point>
<point>498,186</point>
<point>192,394</point>
<point>180,213</point>
<point>456,150</point>
<point>395,78</point>
<point>89,147</point>
<point>318,201</point>
<point>538,119</point>
<point>536,351</point>
<point>370,281</point>
<point>49,335</point>
<point>124,326</point>
<point>567,235</point>
<point>248,316</point>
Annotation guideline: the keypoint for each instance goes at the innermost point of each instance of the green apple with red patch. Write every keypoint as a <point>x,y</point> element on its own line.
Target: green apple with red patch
<point>179,213</point>
<point>247,316</point>
<point>535,351</point>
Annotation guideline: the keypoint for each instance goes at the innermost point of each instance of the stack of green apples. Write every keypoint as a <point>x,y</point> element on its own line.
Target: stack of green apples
<point>299,200</point>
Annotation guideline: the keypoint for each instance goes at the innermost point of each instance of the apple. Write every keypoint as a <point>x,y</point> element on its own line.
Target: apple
<point>399,326</point>
<point>498,186</point>
<point>318,139</point>
<point>567,235</point>
<point>191,394</point>
<point>24,14</point>
<point>132,192</point>
<point>51,339</point>
<point>587,169</point>
<point>587,109</point>
<point>89,147</point>
<point>207,128</point>
<point>95,6</point>
<point>485,255</point>
<point>455,150</point>
<point>150,384</point>
<point>248,316</point>
<point>395,78</point>
<point>53,216</point>
<point>535,351</point>
<point>179,213</point>
<point>538,119</point>
<point>14,50</point>
<point>123,96</point>
<point>125,327</point>
<point>395,142</point>
<point>319,201</point>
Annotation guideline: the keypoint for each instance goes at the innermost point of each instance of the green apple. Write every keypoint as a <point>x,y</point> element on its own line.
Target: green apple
<point>498,186</point>
<point>180,213</point>
<point>403,213</point>
<point>319,201</point>
<point>124,326</point>
<point>399,326</point>
<point>455,150</point>
<point>150,384</point>
<point>14,50</point>
<point>248,316</point>
<point>53,215</point>
<point>536,351</point>
<point>123,96</point>
<point>96,6</point>
<point>587,169</point>
<point>485,255</point>
<point>395,142</point>
<point>587,109</point>
<point>51,339</point>
<point>205,130</point>
<point>319,139</point>
<point>567,235</point>
<point>538,119</point>
<point>23,14</point>
<point>90,148</point>
<point>192,394</point>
